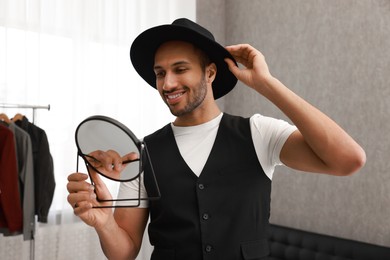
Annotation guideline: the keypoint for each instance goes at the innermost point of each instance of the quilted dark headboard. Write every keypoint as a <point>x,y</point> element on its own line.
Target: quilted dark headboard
<point>292,244</point>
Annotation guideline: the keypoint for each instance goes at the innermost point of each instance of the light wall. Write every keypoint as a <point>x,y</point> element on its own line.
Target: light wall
<point>336,55</point>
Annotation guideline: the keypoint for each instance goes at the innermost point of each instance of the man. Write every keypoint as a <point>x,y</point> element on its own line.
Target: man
<point>214,170</point>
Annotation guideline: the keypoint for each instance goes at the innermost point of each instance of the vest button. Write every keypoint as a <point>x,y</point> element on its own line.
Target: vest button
<point>205,216</point>
<point>200,186</point>
<point>208,248</point>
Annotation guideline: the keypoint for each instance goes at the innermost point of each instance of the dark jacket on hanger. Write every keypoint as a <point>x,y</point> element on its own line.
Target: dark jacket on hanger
<point>223,213</point>
<point>44,181</point>
<point>10,207</point>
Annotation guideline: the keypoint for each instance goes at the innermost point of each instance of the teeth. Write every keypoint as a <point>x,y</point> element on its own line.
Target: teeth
<point>174,96</point>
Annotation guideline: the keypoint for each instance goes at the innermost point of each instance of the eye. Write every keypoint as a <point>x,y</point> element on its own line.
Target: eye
<point>159,74</point>
<point>181,69</point>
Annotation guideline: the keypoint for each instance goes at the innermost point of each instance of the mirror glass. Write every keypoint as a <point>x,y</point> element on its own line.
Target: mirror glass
<point>95,136</point>
<point>114,155</point>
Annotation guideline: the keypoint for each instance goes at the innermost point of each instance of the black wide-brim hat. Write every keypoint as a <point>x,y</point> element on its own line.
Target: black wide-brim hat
<point>144,47</point>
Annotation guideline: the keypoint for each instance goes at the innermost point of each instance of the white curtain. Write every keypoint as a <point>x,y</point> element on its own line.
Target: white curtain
<point>74,56</point>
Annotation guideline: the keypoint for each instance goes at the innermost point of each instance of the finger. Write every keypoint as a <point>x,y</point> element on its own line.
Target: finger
<point>233,68</point>
<point>78,198</point>
<point>107,159</point>
<point>231,64</point>
<point>240,50</point>
<point>243,53</point>
<point>130,157</point>
<point>77,183</point>
<point>77,176</point>
<point>103,158</point>
<point>115,162</point>
<point>101,189</point>
<point>82,207</point>
<point>97,155</point>
<point>74,187</point>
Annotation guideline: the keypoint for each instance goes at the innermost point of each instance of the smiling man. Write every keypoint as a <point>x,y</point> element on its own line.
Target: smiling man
<point>214,170</point>
<point>184,82</point>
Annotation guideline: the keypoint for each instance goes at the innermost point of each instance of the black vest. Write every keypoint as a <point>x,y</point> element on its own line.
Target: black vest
<point>223,213</point>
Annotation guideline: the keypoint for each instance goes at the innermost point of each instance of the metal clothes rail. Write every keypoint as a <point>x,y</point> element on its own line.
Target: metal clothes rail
<point>33,107</point>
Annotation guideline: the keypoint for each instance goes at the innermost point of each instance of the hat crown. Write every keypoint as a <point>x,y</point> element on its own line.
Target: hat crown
<point>184,22</point>
<point>143,49</point>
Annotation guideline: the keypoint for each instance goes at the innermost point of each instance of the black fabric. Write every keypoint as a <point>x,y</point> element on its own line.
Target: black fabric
<point>44,181</point>
<point>255,249</point>
<point>290,244</point>
<point>224,213</point>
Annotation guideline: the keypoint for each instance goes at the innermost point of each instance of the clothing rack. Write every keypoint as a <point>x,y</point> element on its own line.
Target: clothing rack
<point>34,108</point>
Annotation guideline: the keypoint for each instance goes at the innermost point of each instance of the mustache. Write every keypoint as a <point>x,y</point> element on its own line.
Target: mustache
<point>184,88</point>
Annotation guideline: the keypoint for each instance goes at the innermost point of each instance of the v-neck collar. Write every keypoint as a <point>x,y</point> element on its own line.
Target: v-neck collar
<point>210,163</point>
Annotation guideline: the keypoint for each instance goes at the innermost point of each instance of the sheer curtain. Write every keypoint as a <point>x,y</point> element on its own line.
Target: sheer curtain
<point>74,55</point>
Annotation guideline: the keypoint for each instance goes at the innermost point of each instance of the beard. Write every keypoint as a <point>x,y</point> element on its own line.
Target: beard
<point>197,97</point>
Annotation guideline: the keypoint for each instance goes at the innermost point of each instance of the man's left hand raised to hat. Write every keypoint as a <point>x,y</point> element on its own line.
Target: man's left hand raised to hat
<point>255,72</point>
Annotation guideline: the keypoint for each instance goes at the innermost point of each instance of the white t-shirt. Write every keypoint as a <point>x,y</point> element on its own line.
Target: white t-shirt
<point>195,144</point>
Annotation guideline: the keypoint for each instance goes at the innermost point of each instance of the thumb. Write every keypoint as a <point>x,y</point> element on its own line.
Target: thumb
<point>237,72</point>
<point>101,189</point>
<point>233,67</point>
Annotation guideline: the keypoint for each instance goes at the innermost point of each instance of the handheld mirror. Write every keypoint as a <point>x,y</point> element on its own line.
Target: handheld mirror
<point>115,156</point>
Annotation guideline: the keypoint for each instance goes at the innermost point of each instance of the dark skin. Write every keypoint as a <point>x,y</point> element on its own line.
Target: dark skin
<point>319,145</point>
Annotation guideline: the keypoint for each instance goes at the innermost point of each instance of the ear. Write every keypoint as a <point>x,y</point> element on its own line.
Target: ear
<point>211,72</point>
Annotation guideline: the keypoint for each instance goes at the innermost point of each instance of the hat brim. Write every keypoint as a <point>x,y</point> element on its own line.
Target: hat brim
<point>146,44</point>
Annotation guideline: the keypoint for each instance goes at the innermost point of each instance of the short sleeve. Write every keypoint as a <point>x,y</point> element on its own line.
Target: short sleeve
<point>269,135</point>
<point>130,190</point>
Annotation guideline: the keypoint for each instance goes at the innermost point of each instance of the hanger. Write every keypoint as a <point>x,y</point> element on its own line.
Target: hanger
<point>17,117</point>
<point>4,117</point>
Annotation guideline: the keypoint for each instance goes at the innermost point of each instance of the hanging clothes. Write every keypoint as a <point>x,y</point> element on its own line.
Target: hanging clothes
<point>10,207</point>
<point>44,181</point>
<point>25,164</point>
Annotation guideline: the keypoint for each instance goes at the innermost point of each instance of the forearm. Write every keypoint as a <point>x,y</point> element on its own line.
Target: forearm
<point>116,243</point>
<point>320,145</point>
<point>332,145</point>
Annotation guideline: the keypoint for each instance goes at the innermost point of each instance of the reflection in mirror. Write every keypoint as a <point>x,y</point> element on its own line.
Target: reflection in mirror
<point>122,170</point>
<point>111,150</point>
<point>95,136</point>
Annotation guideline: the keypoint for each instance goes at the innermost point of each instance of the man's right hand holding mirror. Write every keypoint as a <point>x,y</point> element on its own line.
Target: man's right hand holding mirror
<point>84,196</point>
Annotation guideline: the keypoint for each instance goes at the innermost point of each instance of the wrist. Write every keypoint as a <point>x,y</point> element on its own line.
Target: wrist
<point>108,226</point>
<point>266,85</point>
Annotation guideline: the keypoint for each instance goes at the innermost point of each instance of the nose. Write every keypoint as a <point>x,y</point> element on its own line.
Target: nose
<point>170,82</point>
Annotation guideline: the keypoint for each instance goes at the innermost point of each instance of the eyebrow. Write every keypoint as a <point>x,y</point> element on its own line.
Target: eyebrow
<point>173,65</point>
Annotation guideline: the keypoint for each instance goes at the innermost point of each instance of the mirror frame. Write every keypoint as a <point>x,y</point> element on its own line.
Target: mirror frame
<point>143,154</point>
<point>140,145</point>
